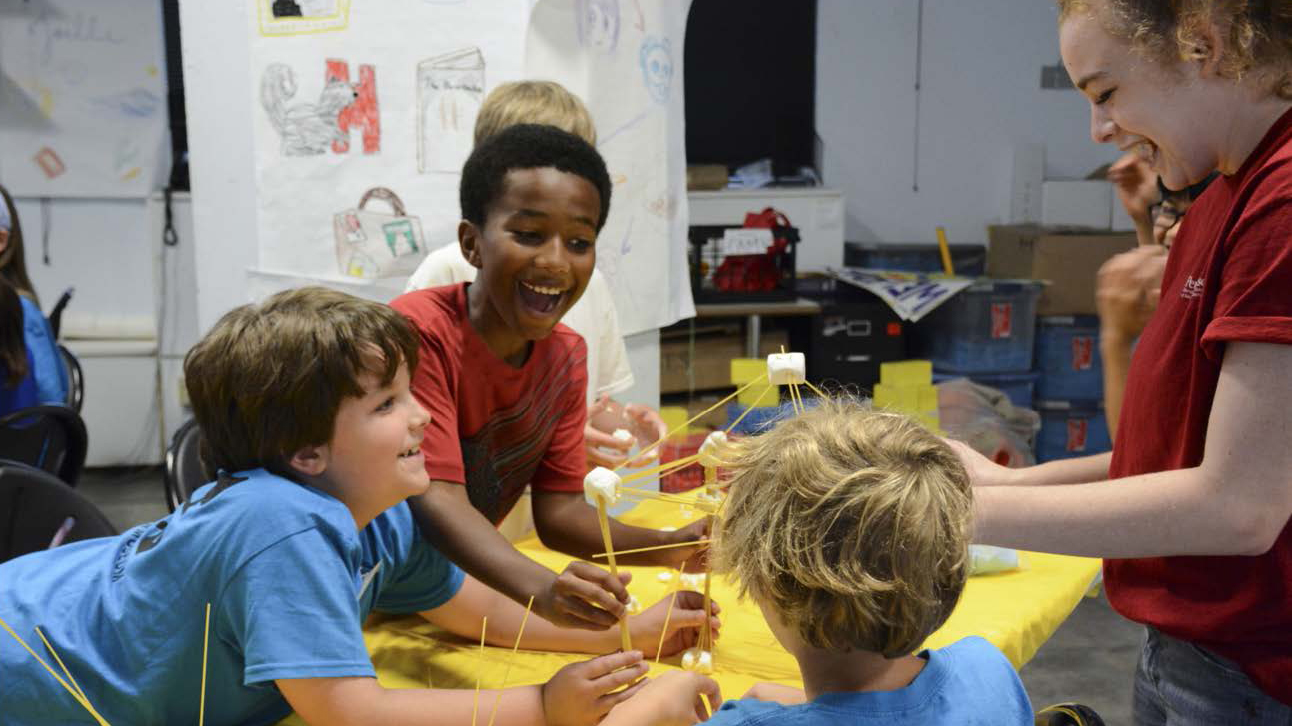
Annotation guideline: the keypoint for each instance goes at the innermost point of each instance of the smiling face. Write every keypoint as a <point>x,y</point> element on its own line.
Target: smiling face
<point>374,459</point>
<point>535,255</point>
<point>1137,103</point>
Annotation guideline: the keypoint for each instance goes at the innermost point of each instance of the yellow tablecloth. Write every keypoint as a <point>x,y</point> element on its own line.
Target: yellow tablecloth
<point>1017,611</point>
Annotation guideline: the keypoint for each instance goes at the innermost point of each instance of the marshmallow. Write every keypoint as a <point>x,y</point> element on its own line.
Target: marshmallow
<point>686,580</point>
<point>709,449</point>
<point>783,368</point>
<point>700,661</point>
<point>601,482</point>
<point>634,606</point>
<point>622,435</point>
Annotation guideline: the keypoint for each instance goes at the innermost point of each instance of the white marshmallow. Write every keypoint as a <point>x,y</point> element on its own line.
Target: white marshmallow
<point>713,443</point>
<point>622,435</point>
<point>785,368</point>
<point>634,606</point>
<point>700,661</point>
<point>601,482</point>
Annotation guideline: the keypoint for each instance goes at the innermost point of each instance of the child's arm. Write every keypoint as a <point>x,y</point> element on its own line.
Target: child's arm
<point>580,693</point>
<point>673,699</point>
<point>582,596</point>
<point>567,523</point>
<point>462,615</point>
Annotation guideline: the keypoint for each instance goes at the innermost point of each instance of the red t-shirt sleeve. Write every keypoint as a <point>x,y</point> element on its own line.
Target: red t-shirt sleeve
<point>1253,303</point>
<point>435,386</point>
<point>565,463</point>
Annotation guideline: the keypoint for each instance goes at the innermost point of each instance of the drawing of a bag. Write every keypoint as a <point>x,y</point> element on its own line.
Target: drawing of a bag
<point>372,244</point>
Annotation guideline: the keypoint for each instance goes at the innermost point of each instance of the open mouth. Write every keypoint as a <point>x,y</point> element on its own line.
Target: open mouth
<point>410,453</point>
<point>542,299</point>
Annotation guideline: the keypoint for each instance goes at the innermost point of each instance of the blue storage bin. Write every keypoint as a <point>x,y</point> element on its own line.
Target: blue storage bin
<point>1071,428</point>
<point>987,328</point>
<point>969,260</point>
<point>1020,388</point>
<point>1067,356</point>
<point>763,417</point>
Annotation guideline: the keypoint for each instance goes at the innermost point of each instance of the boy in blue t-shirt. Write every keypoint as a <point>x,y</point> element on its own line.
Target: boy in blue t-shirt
<point>850,529</point>
<point>305,408</point>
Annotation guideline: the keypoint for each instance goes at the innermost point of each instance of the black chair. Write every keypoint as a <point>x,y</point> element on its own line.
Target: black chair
<point>37,511</point>
<point>185,469</point>
<point>55,316</point>
<point>1067,714</point>
<point>75,379</point>
<point>50,438</point>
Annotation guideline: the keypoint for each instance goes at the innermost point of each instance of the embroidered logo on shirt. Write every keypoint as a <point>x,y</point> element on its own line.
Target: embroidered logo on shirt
<point>367,580</point>
<point>1193,288</point>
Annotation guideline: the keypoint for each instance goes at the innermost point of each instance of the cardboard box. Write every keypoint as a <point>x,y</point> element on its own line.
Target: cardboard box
<point>1067,260</point>
<point>711,366</point>
<point>1079,203</point>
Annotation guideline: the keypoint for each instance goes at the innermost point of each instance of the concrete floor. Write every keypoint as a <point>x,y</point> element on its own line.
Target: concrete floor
<point>1090,659</point>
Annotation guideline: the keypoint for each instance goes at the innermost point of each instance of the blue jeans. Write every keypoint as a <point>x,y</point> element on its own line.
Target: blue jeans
<point>1180,684</point>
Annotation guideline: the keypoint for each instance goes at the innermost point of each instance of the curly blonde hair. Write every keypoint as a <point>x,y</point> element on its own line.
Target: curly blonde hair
<point>534,102</point>
<point>1257,33</point>
<point>852,524</point>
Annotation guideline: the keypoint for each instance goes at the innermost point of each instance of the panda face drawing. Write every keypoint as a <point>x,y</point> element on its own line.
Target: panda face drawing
<point>657,68</point>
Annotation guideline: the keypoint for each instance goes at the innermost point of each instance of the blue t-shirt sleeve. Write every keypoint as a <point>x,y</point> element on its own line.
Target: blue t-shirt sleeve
<point>47,362</point>
<point>293,611</point>
<point>426,581</point>
<point>752,711</point>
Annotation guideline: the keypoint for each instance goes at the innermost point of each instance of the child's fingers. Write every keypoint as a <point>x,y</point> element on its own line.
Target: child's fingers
<point>605,665</point>
<point>611,682</point>
<point>610,700</point>
<point>691,600</point>
<point>595,585</point>
<point>711,691</point>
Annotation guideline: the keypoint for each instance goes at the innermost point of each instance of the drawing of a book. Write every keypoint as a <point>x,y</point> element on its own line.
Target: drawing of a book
<point>450,88</point>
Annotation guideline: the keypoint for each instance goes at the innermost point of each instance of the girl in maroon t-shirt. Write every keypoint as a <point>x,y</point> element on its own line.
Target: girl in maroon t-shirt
<point>1195,526</point>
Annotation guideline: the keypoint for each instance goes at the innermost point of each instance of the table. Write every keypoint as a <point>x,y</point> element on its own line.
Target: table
<point>1017,611</point>
<point>753,313</point>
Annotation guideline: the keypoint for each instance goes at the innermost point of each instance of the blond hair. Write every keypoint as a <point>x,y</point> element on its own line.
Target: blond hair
<point>268,379</point>
<point>534,102</point>
<point>1257,35</point>
<point>852,524</point>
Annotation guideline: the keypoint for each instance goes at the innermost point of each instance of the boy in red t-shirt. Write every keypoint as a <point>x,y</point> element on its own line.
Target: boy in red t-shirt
<point>505,382</point>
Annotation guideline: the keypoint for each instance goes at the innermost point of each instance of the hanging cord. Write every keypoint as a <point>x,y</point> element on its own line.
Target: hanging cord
<point>45,218</point>
<point>169,238</point>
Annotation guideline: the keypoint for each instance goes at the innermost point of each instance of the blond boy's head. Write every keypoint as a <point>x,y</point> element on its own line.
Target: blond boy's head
<point>534,102</point>
<point>851,525</point>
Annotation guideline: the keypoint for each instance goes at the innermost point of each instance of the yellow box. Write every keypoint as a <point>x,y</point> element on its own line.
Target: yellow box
<point>906,373</point>
<point>896,398</point>
<point>674,417</point>
<point>928,399</point>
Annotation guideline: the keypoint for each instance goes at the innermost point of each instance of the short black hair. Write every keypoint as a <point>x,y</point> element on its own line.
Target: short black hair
<point>528,146</point>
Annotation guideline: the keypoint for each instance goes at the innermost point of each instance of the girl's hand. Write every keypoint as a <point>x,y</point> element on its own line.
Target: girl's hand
<point>675,698</point>
<point>581,694</point>
<point>983,472</point>
<point>683,625</point>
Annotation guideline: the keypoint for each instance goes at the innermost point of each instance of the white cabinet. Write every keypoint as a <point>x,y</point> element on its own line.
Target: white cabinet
<point>816,212</point>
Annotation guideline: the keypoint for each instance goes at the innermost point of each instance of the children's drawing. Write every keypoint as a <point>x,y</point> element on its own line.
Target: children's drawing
<point>299,17</point>
<point>598,24</point>
<point>372,244</point>
<point>450,88</point>
<point>656,60</point>
<point>309,129</point>
<point>135,103</point>
<point>363,113</point>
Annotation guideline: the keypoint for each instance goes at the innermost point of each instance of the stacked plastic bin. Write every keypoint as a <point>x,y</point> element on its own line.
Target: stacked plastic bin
<point>1070,389</point>
<point>986,334</point>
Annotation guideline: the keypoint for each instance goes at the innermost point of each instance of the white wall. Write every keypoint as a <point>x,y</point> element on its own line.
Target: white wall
<point>980,96</point>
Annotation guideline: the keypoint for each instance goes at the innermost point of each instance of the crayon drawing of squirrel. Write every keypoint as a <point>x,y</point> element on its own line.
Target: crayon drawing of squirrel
<point>306,128</point>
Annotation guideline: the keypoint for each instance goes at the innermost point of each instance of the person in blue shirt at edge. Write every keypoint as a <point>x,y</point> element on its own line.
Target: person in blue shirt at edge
<point>305,407</point>
<point>31,368</point>
<point>850,530</point>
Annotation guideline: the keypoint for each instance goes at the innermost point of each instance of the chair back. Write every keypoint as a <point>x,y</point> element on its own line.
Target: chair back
<point>55,316</point>
<point>75,379</point>
<point>51,438</point>
<point>185,469</point>
<point>38,511</point>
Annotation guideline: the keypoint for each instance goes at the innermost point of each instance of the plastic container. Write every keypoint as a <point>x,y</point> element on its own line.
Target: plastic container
<point>1067,356</point>
<point>1020,388</point>
<point>680,447</point>
<point>987,328</point>
<point>968,260</point>
<point>1071,428</point>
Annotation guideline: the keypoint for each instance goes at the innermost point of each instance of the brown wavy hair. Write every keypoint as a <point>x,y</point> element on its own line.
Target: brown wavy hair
<point>13,264</point>
<point>268,379</point>
<point>1257,33</point>
<point>852,524</point>
<point>13,344</point>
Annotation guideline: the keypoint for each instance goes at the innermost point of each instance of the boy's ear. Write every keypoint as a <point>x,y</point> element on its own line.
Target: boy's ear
<point>309,460</point>
<point>469,241</point>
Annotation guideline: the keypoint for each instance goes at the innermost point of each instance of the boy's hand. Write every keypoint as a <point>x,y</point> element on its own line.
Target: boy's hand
<point>584,596</point>
<point>583,693</point>
<point>647,427</point>
<point>776,693</point>
<point>683,625</point>
<point>675,698</point>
